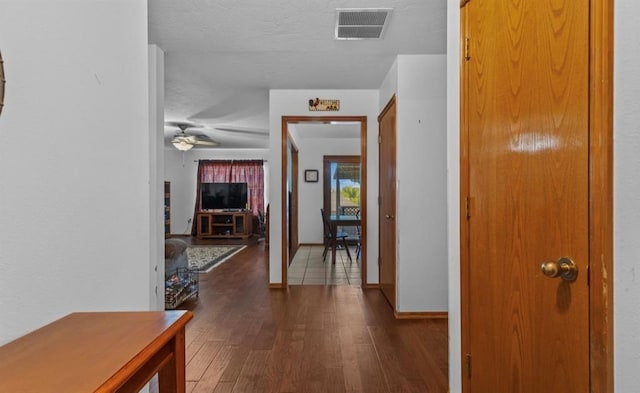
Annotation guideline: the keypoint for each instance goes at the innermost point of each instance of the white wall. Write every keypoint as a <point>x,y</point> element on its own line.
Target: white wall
<point>626,298</point>
<point>74,227</point>
<point>156,176</point>
<point>295,102</point>
<point>626,196</point>
<point>311,152</point>
<point>453,193</point>
<point>389,85</point>
<point>421,176</point>
<point>419,83</point>
<point>181,169</point>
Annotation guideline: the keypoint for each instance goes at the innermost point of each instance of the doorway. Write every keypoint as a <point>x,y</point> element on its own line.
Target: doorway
<point>289,124</point>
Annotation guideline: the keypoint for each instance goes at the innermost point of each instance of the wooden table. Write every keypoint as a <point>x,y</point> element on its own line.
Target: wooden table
<point>98,352</point>
<point>341,220</point>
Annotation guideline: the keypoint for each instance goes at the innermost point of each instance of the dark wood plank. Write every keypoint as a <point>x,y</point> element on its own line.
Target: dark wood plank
<point>190,386</point>
<point>397,363</point>
<point>332,355</point>
<point>305,338</point>
<point>214,372</point>
<point>253,377</point>
<point>224,387</point>
<point>239,356</point>
<point>334,380</point>
<point>352,381</point>
<point>286,358</point>
<point>370,369</point>
<point>266,336</point>
<point>311,375</point>
<point>201,361</point>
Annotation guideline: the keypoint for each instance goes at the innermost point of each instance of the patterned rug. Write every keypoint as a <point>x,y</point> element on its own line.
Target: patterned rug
<point>205,258</point>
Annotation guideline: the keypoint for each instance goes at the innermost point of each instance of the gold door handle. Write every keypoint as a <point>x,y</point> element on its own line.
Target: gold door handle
<point>563,267</point>
<point>389,216</point>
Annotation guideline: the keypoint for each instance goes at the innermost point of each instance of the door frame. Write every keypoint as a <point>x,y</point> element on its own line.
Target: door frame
<point>393,303</point>
<point>295,244</point>
<point>284,135</point>
<point>600,198</point>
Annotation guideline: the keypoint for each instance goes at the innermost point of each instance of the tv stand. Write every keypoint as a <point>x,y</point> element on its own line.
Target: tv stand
<point>236,224</point>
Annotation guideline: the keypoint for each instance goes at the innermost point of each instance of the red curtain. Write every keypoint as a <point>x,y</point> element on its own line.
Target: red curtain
<point>235,171</point>
<point>210,171</point>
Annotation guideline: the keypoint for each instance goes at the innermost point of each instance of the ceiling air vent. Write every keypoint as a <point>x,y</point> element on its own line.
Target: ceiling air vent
<point>361,23</point>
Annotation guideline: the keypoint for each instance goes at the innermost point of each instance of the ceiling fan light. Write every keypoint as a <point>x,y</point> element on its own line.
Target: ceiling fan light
<point>182,145</point>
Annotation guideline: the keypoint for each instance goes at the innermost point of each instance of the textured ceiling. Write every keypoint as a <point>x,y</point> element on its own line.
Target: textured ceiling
<point>222,56</point>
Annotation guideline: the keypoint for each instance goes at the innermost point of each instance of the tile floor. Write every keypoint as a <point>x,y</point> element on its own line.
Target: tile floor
<point>308,268</point>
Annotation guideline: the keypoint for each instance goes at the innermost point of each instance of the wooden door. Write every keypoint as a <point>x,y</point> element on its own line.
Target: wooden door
<point>387,207</point>
<point>526,141</point>
<point>294,242</point>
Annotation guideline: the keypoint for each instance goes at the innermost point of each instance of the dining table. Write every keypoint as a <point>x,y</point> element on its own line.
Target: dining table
<point>341,220</point>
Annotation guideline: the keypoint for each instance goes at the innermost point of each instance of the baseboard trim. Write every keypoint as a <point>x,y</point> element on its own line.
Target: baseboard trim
<point>311,244</point>
<point>276,285</point>
<point>422,315</point>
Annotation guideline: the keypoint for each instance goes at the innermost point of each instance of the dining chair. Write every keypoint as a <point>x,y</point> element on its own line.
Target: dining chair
<point>358,238</point>
<point>329,238</point>
<point>354,232</point>
<point>350,210</point>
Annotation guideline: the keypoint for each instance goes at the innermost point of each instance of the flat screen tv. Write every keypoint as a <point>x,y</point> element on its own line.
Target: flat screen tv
<point>223,196</point>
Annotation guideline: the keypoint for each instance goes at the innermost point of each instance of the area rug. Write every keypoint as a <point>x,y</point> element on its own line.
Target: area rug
<point>204,258</point>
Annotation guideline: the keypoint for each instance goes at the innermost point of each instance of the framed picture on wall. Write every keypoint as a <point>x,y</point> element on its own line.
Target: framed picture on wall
<point>311,175</point>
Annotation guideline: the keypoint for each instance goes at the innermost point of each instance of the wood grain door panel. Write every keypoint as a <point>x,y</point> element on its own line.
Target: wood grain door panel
<point>526,103</point>
<point>387,207</point>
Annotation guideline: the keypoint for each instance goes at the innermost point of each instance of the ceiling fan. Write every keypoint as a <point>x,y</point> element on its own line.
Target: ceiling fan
<point>184,141</point>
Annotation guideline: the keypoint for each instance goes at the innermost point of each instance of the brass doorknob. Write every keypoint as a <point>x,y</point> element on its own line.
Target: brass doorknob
<point>389,216</point>
<point>563,267</point>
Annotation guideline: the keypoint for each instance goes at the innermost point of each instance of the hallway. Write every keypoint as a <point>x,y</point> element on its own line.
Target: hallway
<point>247,338</point>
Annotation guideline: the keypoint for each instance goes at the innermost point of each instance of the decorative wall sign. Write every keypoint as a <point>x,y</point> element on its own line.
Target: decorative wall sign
<point>311,175</point>
<point>318,104</point>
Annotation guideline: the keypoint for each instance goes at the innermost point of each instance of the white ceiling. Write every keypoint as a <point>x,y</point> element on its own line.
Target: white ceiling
<point>223,56</point>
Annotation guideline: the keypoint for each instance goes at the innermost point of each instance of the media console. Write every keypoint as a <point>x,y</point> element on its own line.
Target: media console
<point>224,224</point>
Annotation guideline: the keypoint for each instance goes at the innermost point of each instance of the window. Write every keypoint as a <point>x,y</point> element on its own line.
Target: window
<point>342,184</point>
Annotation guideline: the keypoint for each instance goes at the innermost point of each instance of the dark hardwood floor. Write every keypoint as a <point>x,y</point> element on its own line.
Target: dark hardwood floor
<point>247,338</point>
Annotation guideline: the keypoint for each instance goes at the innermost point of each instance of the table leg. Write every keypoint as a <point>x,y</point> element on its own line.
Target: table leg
<point>171,377</point>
